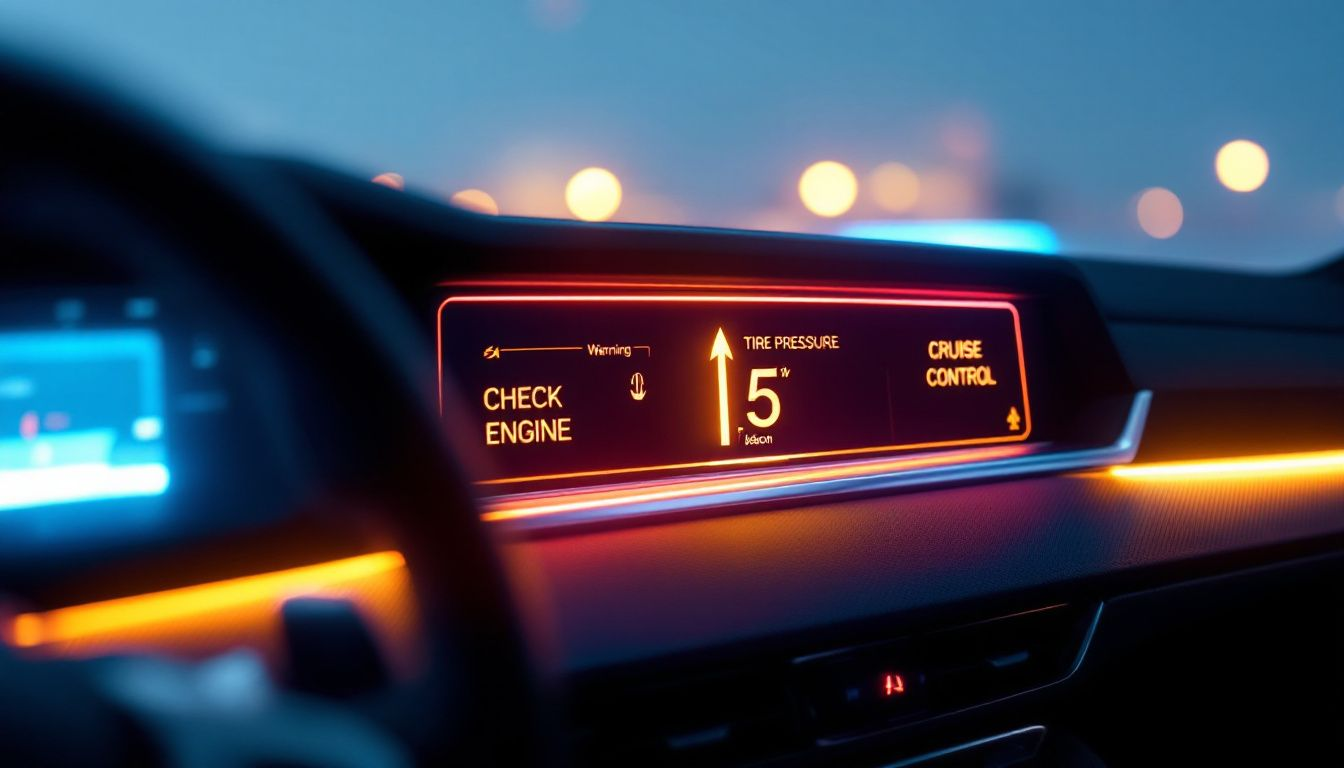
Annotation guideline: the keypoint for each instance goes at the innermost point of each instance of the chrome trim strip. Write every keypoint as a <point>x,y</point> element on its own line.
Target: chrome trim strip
<point>1122,451</point>
<point>832,653</point>
<point>1086,646</point>
<point>1030,738</point>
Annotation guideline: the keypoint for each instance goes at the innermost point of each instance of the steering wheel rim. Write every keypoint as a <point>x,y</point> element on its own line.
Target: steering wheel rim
<point>302,276</point>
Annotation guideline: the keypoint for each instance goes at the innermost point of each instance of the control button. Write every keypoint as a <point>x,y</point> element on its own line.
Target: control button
<point>859,696</point>
<point>893,685</point>
<point>897,692</point>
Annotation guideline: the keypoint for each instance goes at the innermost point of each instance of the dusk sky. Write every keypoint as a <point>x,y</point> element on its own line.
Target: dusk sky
<point>708,112</point>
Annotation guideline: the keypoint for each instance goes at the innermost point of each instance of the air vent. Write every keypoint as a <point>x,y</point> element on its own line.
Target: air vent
<point>859,690</point>
<point>735,712</point>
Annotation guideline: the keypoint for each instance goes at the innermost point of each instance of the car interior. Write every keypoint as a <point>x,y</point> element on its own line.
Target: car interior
<point>303,465</point>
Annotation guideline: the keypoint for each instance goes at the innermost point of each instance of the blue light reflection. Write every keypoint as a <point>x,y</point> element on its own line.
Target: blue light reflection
<point>81,417</point>
<point>998,234</point>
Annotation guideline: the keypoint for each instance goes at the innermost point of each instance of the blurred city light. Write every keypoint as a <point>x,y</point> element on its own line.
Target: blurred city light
<point>828,188</point>
<point>997,234</point>
<point>1159,212</point>
<point>593,194</point>
<point>475,200</point>
<point>964,134</point>
<point>1242,165</point>
<point>389,179</point>
<point>945,193</point>
<point>895,187</point>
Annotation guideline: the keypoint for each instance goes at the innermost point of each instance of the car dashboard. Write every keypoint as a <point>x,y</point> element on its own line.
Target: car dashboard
<point>1178,438</point>
<point>761,498</point>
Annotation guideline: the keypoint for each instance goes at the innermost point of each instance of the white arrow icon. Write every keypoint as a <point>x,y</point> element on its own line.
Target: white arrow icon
<point>723,354</point>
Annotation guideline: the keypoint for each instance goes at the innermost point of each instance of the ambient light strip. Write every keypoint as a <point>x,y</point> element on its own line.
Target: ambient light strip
<point>512,508</point>
<point>110,623</point>
<point>1277,465</point>
<point>758,460</point>
<point>540,511</point>
<point>841,290</point>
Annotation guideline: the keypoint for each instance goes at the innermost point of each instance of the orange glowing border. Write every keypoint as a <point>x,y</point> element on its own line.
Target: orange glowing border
<point>751,299</point>
<point>1272,465</point>
<point>125,614</point>
<point>653,285</point>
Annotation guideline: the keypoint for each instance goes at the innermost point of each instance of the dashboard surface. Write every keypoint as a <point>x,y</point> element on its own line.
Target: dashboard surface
<point>701,450</point>
<point>663,495</point>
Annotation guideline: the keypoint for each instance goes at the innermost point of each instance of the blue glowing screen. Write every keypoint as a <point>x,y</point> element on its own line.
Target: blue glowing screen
<point>81,417</point>
<point>998,234</point>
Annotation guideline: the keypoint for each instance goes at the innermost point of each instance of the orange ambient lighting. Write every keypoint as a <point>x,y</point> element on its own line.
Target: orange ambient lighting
<point>208,618</point>
<point>500,510</point>
<point>1320,462</point>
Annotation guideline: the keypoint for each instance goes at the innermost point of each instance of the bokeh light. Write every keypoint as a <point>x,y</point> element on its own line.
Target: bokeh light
<point>895,187</point>
<point>964,135</point>
<point>1339,203</point>
<point>593,194</point>
<point>391,180</point>
<point>1160,213</point>
<point>945,193</point>
<point>828,188</point>
<point>1242,165</point>
<point>475,200</point>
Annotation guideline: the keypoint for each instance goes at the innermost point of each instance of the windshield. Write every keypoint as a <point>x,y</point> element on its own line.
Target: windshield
<point>1175,132</point>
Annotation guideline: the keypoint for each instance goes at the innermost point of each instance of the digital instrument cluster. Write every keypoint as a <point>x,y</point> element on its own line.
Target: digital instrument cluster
<point>82,416</point>
<point>120,422</point>
<point>595,388</point>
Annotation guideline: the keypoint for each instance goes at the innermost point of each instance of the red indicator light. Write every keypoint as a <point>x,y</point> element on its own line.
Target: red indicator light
<point>893,685</point>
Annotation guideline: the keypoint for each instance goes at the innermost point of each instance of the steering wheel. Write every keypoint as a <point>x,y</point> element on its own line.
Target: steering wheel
<point>266,263</point>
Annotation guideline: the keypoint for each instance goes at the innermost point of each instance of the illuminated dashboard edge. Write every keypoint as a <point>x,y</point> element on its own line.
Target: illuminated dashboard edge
<point>619,506</point>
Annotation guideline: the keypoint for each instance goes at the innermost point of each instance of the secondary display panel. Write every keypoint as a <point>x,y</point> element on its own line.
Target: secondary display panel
<point>81,416</point>
<point>588,389</point>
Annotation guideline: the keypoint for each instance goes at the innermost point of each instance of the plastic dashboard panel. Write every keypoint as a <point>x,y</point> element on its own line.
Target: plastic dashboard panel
<point>639,593</point>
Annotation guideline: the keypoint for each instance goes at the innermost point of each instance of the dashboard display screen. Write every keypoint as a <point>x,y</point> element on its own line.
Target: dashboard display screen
<point>591,389</point>
<point>81,417</point>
